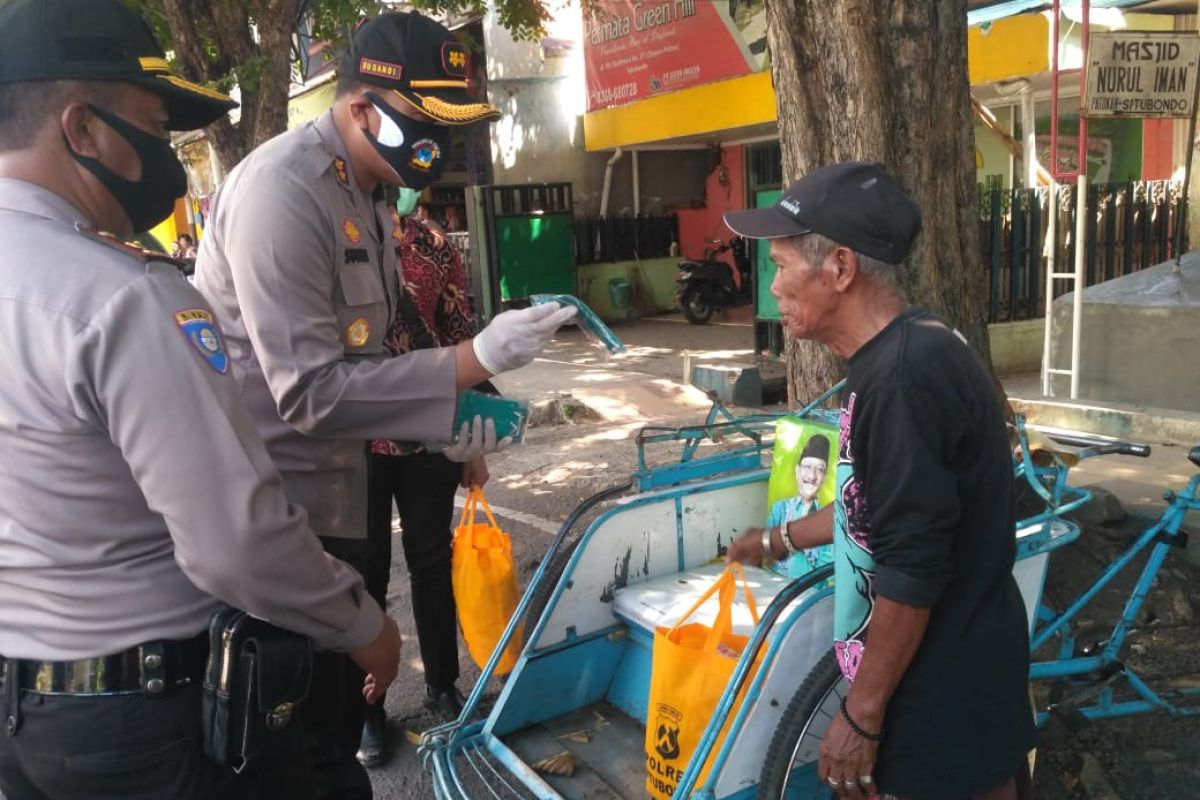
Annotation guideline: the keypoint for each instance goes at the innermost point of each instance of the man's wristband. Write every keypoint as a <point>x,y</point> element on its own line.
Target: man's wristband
<point>787,540</point>
<point>870,737</point>
<point>766,545</point>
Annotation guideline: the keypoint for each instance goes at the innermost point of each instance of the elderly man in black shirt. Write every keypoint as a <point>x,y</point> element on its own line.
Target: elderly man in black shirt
<point>930,628</point>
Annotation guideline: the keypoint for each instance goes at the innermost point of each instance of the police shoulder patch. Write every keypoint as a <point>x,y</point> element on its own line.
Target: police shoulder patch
<point>199,328</point>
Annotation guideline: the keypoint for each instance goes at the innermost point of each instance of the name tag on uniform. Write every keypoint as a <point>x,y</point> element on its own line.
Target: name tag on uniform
<point>357,255</point>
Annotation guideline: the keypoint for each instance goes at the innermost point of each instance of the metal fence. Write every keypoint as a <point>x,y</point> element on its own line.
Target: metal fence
<point>1130,226</point>
<point>600,239</point>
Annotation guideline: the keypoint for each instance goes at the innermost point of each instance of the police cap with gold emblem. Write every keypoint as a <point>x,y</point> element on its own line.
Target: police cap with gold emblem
<point>98,40</point>
<point>421,61</point>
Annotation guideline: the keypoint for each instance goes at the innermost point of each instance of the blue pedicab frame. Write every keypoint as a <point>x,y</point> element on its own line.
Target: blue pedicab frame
<point>471,741</point>
<point>466,739</point>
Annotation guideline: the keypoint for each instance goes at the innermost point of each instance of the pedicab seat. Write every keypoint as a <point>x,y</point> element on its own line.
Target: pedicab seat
<point>662,601</point>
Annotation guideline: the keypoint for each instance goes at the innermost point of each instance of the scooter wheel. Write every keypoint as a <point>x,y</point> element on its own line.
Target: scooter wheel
<point>697,310</point>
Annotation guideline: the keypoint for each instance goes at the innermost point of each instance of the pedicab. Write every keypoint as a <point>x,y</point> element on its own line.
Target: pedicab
<point>638,555</point>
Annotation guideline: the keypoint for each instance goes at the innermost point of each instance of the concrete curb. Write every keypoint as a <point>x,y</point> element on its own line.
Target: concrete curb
<point>1137,423</point>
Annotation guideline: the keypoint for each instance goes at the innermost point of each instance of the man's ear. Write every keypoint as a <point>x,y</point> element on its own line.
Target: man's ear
<point>79,127</point>
<point>360,106</point>
<point>845,264</point>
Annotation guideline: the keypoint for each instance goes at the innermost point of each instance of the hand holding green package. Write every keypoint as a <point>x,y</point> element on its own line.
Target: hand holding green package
<point>510,416</point>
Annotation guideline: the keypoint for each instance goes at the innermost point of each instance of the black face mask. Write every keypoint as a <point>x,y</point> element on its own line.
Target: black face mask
<point>150,200</point>
<point>416,151</point>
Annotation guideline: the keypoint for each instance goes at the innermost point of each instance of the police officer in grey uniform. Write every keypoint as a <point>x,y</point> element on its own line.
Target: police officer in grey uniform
<point>299,260</point>
<point>135,493</point>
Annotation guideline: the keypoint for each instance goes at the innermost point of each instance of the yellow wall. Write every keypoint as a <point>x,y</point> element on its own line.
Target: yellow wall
<point>1010,48</point>
<point>311,104</point>
<point>169,229</point>
<point>735,103</point>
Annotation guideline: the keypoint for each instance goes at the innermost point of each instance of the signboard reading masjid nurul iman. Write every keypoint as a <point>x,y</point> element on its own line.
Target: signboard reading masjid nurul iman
<point>1142,74</point>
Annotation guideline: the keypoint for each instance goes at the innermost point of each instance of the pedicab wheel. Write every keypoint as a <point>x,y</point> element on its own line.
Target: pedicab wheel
<point>541,596</point>
<point>695,308</point>
<point>790,769</point>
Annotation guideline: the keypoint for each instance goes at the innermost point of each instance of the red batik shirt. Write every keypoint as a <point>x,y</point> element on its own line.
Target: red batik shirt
<point>436,281</point>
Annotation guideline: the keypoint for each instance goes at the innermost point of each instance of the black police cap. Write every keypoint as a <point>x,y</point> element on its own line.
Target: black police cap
<point>98,40</point>
<point>421,61</point>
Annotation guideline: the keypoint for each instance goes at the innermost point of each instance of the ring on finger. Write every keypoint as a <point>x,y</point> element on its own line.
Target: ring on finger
<point>867,780</point>
<point>849,783</point>
<point>832,781</point>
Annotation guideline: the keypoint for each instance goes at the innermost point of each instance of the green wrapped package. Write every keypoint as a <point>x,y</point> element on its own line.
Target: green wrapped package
<point>586,319</point>
<point>511,416</point>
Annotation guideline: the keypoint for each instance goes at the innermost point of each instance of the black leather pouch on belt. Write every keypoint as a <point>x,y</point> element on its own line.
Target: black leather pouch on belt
<point>256,678</point>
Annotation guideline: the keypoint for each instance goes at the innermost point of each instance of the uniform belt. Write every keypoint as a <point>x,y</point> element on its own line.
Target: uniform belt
<point>153,668</point>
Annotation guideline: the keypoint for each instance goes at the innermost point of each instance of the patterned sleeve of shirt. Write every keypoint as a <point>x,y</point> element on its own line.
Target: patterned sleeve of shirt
<point>435,279</point>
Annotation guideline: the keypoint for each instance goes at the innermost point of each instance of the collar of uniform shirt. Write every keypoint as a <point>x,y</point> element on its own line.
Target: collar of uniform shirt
<point>30,198</point>
<point>335,147</point>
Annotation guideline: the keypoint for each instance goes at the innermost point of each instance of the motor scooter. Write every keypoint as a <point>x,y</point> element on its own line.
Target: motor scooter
<point>703,287</point>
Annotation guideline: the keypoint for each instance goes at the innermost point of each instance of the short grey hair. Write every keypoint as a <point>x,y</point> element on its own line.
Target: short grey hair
<point>815,248</point>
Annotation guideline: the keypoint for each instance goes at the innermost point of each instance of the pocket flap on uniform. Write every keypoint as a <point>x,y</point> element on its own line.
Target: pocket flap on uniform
<point>361,284</point>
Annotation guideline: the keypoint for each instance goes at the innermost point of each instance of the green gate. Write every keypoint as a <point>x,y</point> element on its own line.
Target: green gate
<point>765,179</point>
<point>765,306</point>
<point>531,237</point>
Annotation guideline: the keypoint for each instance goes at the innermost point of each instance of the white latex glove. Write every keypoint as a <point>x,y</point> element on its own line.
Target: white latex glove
<point>515,338</point>
<point>475,441</point>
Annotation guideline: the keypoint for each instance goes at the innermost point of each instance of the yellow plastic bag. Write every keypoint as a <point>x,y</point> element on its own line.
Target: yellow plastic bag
<point>692,665</point>
<point>485,584</point>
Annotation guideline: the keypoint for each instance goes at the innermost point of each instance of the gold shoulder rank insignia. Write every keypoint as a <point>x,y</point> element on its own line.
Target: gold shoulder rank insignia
<point>129,248</point>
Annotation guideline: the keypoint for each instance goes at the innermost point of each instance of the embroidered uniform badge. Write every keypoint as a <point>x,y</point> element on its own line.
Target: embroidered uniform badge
<point>425,152</point>
<point>358,332</point>
<point>199,329</point>
<point>339,169</point>
<point>352,232</point>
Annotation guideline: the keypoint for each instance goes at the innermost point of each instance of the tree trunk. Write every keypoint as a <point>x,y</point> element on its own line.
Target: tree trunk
<point>886,80</point>
<point>254,44</point>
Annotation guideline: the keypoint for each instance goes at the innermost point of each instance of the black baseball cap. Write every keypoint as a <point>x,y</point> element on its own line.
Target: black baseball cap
<point>421,61</point>
<point>98,40</point>
<point>855,203</point>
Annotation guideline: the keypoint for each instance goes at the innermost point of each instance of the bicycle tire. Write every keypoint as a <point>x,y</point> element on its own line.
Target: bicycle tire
<point>541,596</point>
<point>807,715</point>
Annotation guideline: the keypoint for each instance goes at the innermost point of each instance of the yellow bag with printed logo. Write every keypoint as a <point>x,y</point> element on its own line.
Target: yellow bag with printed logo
<point>485,584</point>
<point>692,664</point>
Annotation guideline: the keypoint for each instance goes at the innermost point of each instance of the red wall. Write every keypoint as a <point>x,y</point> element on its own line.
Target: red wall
<point>698,226</point>
<point>1157,144</point>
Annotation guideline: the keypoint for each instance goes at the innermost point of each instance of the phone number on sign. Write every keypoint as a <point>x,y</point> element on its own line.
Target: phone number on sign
<point>609,94</point>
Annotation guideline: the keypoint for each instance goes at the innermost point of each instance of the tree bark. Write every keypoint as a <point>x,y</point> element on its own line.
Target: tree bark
<point>214,38</point>
<point>886,80</point>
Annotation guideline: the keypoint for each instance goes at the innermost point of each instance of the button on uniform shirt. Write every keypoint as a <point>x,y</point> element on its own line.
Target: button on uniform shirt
<point>134,490</point>
<point>301,267</point>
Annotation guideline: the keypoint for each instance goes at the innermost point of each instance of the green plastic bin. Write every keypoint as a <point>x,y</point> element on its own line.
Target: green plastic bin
<point>620,293</point>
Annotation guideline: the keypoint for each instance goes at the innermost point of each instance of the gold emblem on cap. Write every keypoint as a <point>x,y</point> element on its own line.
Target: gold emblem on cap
<point>358,332</point>
<point>153,64</point>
